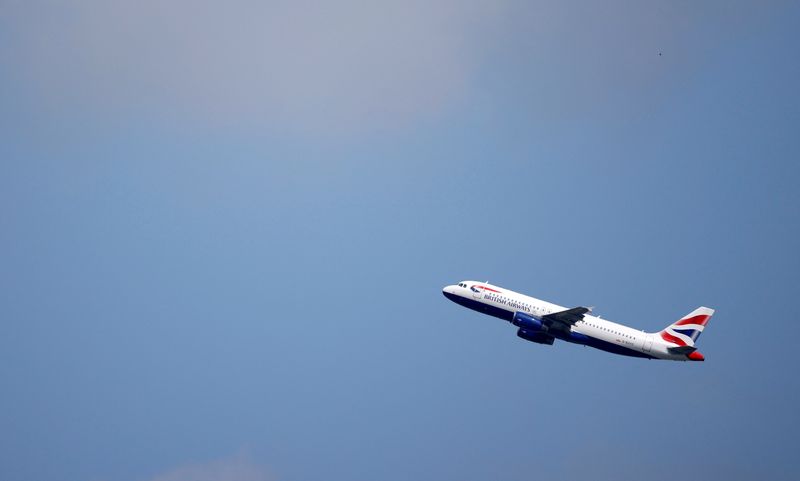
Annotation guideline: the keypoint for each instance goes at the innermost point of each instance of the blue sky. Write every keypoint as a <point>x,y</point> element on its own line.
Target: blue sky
<point>225,230</point>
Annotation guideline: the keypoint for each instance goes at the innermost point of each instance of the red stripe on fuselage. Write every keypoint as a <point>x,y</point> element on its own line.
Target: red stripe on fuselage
<point>487,288</point>
<point>670,338</point>
<point>701,320</point>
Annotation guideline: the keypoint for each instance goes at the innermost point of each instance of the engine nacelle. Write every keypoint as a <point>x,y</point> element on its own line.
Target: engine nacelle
<point>527,322</point>
<point>537,337</point>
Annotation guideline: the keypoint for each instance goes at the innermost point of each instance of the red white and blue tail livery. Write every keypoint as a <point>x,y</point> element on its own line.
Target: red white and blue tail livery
<point>542,322</point>
<point>686,331</point>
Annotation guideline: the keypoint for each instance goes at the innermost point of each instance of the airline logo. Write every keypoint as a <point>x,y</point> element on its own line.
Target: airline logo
<point>477,289</point>
<point>686,331</point>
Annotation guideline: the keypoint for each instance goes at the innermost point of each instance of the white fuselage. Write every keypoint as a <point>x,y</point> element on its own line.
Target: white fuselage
<point>599,333</point>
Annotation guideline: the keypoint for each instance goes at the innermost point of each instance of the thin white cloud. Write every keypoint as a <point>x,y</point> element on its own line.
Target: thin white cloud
<point>236,468</point>
<point>307,64</point>
<point>319,66</point>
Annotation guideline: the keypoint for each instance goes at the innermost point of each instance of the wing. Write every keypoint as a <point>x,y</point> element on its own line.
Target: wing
<point>565,319</point>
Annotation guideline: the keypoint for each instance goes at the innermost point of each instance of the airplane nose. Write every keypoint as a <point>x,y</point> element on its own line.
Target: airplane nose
<point>447,290</point>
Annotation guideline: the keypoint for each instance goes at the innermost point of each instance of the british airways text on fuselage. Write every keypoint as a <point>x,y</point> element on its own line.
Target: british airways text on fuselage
<point>543,323</point>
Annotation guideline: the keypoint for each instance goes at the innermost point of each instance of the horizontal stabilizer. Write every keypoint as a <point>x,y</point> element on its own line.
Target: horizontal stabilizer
<point>681,349</point>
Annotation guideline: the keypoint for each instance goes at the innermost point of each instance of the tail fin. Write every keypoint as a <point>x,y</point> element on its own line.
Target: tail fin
<point>685,331</point>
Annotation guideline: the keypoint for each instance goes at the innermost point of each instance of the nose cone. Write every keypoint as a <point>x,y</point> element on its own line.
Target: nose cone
<point>696,356</point>
<point>449,292</point>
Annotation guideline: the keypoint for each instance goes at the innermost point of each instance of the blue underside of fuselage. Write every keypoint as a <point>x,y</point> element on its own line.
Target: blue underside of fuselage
<point>573,337</point>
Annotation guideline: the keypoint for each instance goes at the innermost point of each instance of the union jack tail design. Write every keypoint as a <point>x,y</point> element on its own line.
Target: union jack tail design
<point>686,331</point>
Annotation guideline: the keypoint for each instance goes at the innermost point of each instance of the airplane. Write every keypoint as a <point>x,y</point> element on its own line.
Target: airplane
<point>542,322</point>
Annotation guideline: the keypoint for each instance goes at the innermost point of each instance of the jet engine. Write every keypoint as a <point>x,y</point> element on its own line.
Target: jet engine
<point>537,337</point>
<point>527,322</point>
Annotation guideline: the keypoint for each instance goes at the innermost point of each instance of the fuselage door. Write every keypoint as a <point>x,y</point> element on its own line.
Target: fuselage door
<point>648,343</point>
